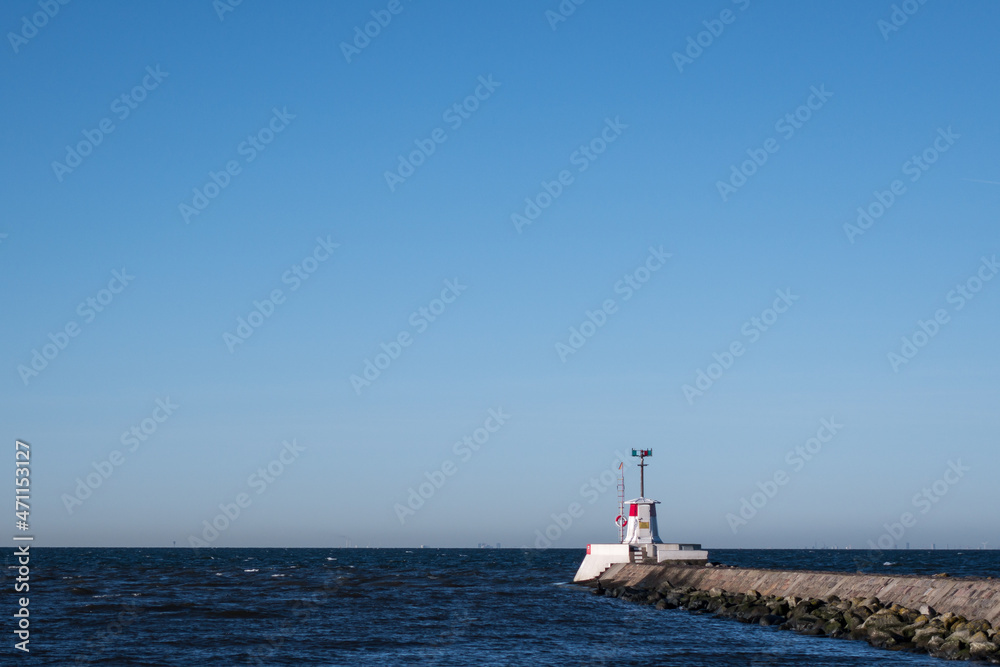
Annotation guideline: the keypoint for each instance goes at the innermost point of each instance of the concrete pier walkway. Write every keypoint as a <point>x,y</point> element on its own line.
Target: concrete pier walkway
<point>972,598</point>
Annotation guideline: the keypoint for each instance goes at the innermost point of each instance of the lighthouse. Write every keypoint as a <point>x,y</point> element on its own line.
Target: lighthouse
<point>641,526</point>
<point>641,540</point>
<point>641,522</point>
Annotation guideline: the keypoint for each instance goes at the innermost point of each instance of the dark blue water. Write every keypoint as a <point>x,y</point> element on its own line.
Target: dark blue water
<point>406,607</point>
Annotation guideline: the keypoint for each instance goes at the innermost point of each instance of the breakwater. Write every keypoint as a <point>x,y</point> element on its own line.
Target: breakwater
<point>955,618</point>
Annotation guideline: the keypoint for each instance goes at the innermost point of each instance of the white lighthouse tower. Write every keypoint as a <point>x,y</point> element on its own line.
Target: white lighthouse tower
<point>641,526</point>
<point>641,542</point>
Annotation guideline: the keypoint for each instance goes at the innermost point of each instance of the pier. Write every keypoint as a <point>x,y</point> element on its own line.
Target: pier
<point>973,598</point>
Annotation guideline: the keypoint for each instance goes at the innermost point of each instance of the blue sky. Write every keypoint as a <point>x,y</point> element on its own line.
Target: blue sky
<point>661,137</point>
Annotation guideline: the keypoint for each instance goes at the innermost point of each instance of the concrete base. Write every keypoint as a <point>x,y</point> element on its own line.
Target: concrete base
<point>689,553</point>
<point>600,557</point>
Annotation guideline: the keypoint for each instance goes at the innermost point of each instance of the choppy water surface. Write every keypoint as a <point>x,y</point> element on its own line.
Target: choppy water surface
<point>402,607</point>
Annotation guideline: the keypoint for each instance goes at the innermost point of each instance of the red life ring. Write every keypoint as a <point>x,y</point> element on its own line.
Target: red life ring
<point>620,521</point>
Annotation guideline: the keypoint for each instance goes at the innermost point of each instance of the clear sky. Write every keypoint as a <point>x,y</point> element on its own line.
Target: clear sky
<point>217,217</point>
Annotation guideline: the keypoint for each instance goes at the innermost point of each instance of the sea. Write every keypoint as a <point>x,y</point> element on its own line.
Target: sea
<point>354,606</point>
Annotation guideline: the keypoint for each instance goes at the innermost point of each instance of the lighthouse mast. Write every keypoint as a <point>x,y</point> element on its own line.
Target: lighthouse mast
<point>621,520</point>
<point>642,454</point>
